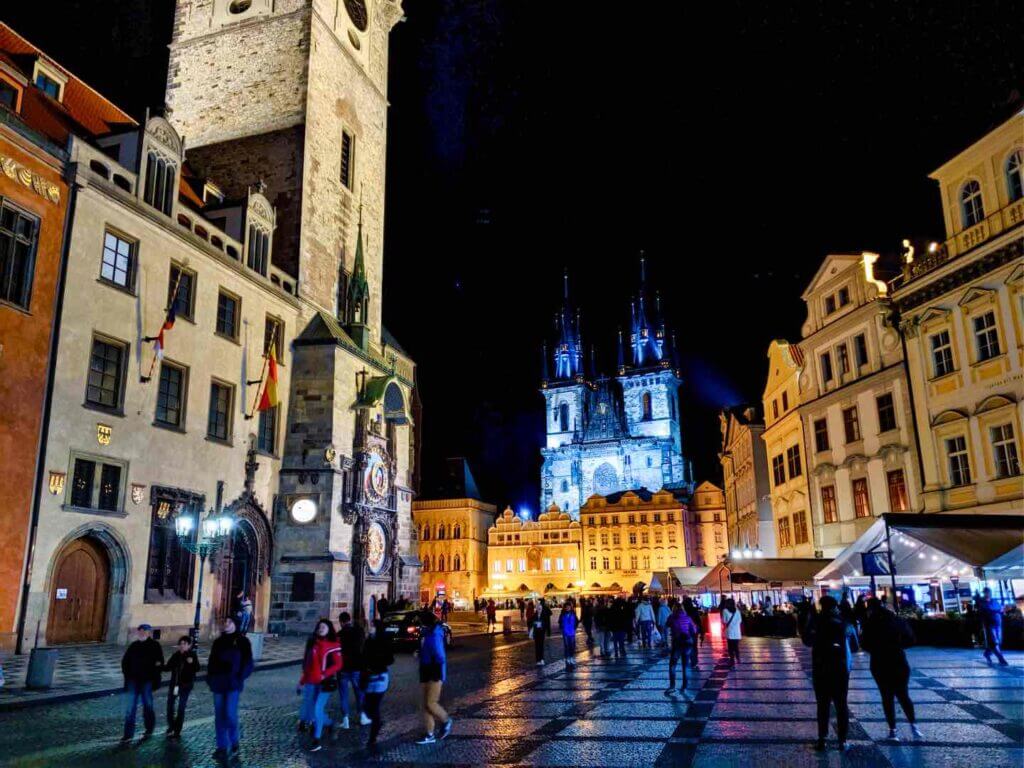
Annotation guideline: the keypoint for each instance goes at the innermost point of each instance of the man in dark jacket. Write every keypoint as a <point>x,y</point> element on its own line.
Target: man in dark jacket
<point>884,636</point>
<point>352,638</point>
<point>992,625</point>
<point>183,666</point>
<point>833,642</point>
<point>141,665</point>
<point>587,618</point>
<point>230,663</point>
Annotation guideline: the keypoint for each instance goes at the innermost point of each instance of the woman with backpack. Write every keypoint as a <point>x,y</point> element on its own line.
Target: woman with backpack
<point>319,679</point>
<point>833,641</point>
<point>884,635</point>
<point>731,625</point>
<point>684,636</point>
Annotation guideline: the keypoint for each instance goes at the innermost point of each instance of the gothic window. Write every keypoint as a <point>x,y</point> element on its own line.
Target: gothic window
<point>647,407</point>
<point>259,250</point>
<point>426,533</point>
<point>972,210</point>
<point>440,534</point>
<point>457,563</point>
<point>606,480</point>
<point>563,417</point>
<point>1015,175</point>
<point>171,566</point>
<point>440,562</point>
<point>161,182</point>
<point>426,563</point>
<point>457,534</point>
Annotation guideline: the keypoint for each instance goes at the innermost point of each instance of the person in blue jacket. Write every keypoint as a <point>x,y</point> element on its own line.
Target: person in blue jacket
<point>567,622</point>
<point>833,641</point>
<point>230,663</point>
<point>992,624</point>
<point>433,673</point>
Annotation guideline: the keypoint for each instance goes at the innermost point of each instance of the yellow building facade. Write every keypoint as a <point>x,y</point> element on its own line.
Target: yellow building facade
<point>745,481</point>
<point>960,305</point>
<point>785,444</point>
<point>453,547</point>
<point>539,556</point>
<point>707,513</point>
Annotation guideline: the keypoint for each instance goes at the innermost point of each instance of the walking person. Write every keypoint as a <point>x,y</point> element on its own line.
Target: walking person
<point>691,610</point>
<point>567,622</point>
<point>492,616</point>
<point>833,641</point>
<point>884,635</point>
<point>141,665</point>
<point>183,666</point>
<point>601,631</point>
<point>587,618</point>
<point>622,621</point>
<point>244,614</point>
<point>433,673</point>
<point>661,621</point>
<point>539,629</point>
<point>227,668</point>
<point>731,622</point>
<point>374,681</point>
<point>320,667</point>
<point>351,638</point>
<point>684,635</point>
<point>992,626</point>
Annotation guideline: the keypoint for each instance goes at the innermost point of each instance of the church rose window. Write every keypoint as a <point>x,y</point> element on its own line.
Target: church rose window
<point>606,480</point>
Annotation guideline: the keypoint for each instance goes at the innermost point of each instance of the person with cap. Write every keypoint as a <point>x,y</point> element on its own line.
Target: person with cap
<point>141,666</point>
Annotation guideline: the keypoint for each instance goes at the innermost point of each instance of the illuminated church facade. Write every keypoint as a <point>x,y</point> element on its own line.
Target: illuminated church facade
<point>606,434</point>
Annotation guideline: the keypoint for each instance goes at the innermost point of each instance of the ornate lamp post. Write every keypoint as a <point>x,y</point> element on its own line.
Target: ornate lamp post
<point>214,531</point>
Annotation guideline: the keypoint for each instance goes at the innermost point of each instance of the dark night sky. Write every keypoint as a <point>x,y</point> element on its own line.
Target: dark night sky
<point>735,143</point>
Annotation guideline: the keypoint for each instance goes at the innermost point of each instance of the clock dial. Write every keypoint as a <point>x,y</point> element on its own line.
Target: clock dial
<point>376,548</point>
<point>303,511</point>
<point>359,14</point>
<point>377,482</point>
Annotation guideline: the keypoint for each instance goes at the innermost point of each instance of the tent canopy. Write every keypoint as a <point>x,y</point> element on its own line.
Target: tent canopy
<point>691,575</point>
<point>759,572</point>
<point>939,546</point>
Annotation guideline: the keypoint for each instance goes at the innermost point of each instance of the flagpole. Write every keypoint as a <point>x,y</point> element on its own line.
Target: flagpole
<point>263,373</point>
<point>174,298</point>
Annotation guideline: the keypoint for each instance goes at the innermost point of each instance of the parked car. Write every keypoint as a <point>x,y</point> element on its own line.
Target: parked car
<point>403,627</point>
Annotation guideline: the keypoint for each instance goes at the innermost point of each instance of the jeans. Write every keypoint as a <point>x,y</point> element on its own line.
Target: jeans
<point>833,690</point>
<point>345,679</point>
<point>569,642</point>
<point>734,651</point>
<point>433,712</point>
<point>176,708</point>
<point>893,688</point>
<point>538,643</point>
<point>306,709</point>
<point>693,654</point>
<point>993,643</point>
<point>619,637</point>
<point>371,706</point>
<point>225,719</point>
<point>679,653</point>
<point>320,718</point>
<point>645,632</point>
<point>604,639</point>
<point>133,693</point>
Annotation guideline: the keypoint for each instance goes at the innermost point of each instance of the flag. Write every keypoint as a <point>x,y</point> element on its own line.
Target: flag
<point>269,398</point>
<point>158,340</point>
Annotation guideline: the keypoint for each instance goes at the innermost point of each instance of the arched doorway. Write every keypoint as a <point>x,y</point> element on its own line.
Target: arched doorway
<point>78,598</point>
<point>239,568</point>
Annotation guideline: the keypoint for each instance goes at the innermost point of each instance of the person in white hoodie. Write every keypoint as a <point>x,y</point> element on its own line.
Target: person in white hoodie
<point>644,615</point>
<point>731,622</point>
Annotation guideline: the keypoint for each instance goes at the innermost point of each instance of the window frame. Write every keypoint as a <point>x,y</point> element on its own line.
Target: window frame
<point>131,273</point>
<point>943,352</point>
<point>122,374</point>
<point>1005,455</point>
<point>972,204</point>
<point>221,291</point>
<point>897,491</point>
<point>890,422</point>
<point>822,443</point>
<point>794,462</point>
<point>829,504</point>
<point>190,310</point>
<point>990,348</point>
<point>182,396</point>
<point>826,369</point>
<point>229,414</point>
<point>851,425</point>
<point>268,321</point>
<point>32,242</point>
<point>861,357</point>
<point>779,469</point>
<point>861,497</point>
<point>347,166</point>
<point>274,420</point>
<point>958,461</point>
<point>1014,168</point>
<point>800,533</point>
<point>99,462</point>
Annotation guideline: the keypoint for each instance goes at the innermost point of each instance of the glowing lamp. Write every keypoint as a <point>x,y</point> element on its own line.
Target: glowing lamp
<point>183,525</point>
<point>715,624</point>
<point>737,554</point>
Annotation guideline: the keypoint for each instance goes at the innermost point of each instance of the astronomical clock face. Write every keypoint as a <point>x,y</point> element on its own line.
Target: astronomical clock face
<point>376,548</point>
<point>377,480</point>
<point>359,14</point>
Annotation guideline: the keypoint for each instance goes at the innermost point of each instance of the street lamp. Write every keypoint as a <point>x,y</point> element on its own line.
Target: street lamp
<point>213,532</point>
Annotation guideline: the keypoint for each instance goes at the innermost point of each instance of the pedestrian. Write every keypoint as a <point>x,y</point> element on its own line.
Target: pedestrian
<point>644,615</point>
<point>661,621</point>
<point>693,611</point>
<point>374,680</point>
<point>992,626</point>
<point>522,609</point>
<point>538,630</point>
<point>492,616</point>
<point>567,624</point>
<point>141,665</point>
<point>351,638</point>
<point>227,668</point>
<point>433,673</point>
<point>531,611</point>
<point>244,615</point>
<point>601,631</point>
<point>183,666</point>
<point>446,608</point>
<point>732,622</point>
<point>321,664</point>
<point>622,621</point>
<point>684,635</point>
<point>587,618</point>
<point>833,641</point>
<point>884,636</point>
<point>383,606</point>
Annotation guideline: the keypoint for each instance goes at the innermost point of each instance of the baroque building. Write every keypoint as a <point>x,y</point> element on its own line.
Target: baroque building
<point>961,313</point>
<point>607,434</point>
<point>707,508</point>
<point>539,556</point>
<point>744,462</point>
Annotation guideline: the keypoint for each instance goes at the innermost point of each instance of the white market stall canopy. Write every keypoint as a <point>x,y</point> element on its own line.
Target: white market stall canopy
<point>937,546</point>
<point>761,573</point>
<point>689,576</point>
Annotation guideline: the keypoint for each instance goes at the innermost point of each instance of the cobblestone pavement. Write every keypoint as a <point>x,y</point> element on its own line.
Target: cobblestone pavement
<point>605,712</point>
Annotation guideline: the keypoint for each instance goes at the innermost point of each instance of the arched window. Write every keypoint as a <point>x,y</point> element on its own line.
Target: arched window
<point>647,408</point>
<point>565,486</point>
<point>971,208</point>
<point>457,563</point>
<point>440,562</point>
<point>440,531</point>
<point>563,417</point>
<point>426,563</point>
<point>457,533</point>
<point>1015,175</point>
<point>426,533</point>
<point>161,182</point>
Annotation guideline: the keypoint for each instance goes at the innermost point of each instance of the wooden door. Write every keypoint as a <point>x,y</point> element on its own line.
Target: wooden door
<point>78,603</point>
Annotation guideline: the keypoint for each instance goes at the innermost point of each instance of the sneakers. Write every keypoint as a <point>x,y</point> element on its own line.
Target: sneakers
<point>916,731</point>
<point>316,746</point>
<point>428,739</point>
<point>446,729</point>
<point>363,719</point>
<point>540,663</point>
<point>344,723</point>
<point>893,736</point>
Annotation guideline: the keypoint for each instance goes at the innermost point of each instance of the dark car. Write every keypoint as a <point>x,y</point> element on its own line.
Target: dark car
<point>403,627</point>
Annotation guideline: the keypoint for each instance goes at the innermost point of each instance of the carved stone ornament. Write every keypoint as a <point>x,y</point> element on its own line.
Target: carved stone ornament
<point>25,177</point>
<point>57,480</point>
<point>161,130</point>
<point>138,493</point>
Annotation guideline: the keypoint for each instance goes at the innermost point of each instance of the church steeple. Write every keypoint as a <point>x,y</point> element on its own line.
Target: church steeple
<point>647,346</point>
<point>357,304</point>
<point>568,357</point>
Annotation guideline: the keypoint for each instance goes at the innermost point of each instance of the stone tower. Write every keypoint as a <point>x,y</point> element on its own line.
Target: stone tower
<point>291,96</point>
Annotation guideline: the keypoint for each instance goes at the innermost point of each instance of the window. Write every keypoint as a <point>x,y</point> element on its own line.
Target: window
<point>830,305</point>
<point>522,566</point>
<point>304,585</point>
<point>118,266</point>
<point>348,159</point>
<point>273,329</point>
<point>105,384</point>
<point>785,401</point>
<point>18,234</point>
<point>844,359</point>
<point>670,516</point>
<point>593,563</point>
<point>547,565</point>
<point>718,537</point>
<point>971,209</point>
<point>457,533</point>
<point>497,566</point>
<point>800,527</point>
<point>181,287</point>
<point>844,297</point>
<point>851,424</point>
<point>886,412</point>
<point>778,469</point>
<point>899,501</point>
<point>775,409</point>
<point>829,510</point>
<point>632,537</point>
<point>440,532</point>
<point>96,484</point>
<point>860,349</point>
<point>509,566</point>
<point>671,537</point>
<point>161,178</point>
<point>426,534</point>
<point>959,466</point>
<point>784,534</point>
<point>170,396</point>
<point>171,566</point>
<point>604,539</point>
<point>942,354</point>
<point>604,563</point>
<point>617,562</point>
<point>861,502</point>
<point>826,368</point>
<point>645,538</point>
<point>986,335</point>
<point>9,96</point>
<point>656,517</point>
<point>266,437</point>
<point>648,412</point>
<point>563,417</point>
<point>48,85</point>
<point>1015,175</point>
<point>633,561</point>
<point>592,540</point>
<point>821,435</point>
<point>565,486</point>
<point>227,314</point>
<point>1005,449</point>
<point>559,564</point>
<point>218,423</point>
<point>258,255</point>
<point>657,537</point>
<point>457,563</point>
<point>793,461</point>
<point>616,540</point>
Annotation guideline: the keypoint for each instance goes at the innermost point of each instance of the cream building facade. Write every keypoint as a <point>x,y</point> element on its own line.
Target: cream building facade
<point>745,481</point>
<point>961,308</point>
<point>453,547</point>
<point>855,404</point>
<point>786,447</point>
<point>707,509</point>
<point>541,556</point>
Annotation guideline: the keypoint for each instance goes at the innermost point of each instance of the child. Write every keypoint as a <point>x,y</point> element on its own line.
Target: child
<point>374,679</point>
<point>567,623</point>
<point>183,666</point>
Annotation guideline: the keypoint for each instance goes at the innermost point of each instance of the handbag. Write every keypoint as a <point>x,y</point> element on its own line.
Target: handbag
<point>329,684</point>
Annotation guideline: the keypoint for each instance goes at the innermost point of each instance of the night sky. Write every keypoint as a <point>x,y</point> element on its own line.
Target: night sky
<point>735,143</point>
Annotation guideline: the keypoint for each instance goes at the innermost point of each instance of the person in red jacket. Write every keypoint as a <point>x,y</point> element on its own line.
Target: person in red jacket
<point>320,668</point>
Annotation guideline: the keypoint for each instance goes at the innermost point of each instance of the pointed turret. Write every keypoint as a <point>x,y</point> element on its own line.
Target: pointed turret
<point>621,363</point>
<point>568,357</point>
<point>357,305</point>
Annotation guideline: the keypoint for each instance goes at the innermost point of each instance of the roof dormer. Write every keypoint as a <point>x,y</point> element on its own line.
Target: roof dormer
<point>48,79</point>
